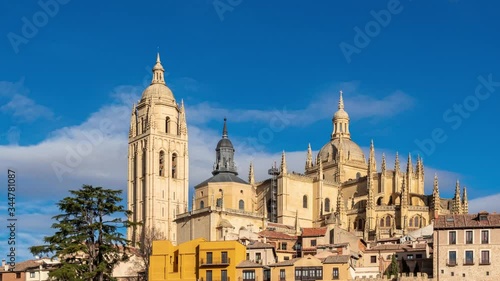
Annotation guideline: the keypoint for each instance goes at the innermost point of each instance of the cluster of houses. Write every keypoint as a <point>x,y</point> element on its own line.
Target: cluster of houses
<point>454,246</point>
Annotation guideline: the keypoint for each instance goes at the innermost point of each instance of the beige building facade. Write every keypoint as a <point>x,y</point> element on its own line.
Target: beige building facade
<point>467,246</point>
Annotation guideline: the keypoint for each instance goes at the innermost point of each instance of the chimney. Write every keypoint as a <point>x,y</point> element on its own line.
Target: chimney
<point>3,262</point>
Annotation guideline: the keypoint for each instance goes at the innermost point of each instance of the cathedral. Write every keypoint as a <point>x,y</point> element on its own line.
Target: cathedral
<point>339,186</point>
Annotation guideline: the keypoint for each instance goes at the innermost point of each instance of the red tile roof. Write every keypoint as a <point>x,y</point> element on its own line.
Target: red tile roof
<point>313,232</point>
<point>276,235</point>
<point>467,221</point>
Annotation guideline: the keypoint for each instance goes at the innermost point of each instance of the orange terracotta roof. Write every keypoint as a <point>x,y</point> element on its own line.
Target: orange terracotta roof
<point>313,232</point>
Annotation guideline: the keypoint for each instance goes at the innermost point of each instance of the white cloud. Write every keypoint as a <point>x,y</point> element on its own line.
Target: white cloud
<point>25,109</point>
<point>487,203</point>
<point>323,107</point>
<point>20,106</point>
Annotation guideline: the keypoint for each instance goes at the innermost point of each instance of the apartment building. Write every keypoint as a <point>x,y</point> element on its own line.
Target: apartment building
<point>467,245</point>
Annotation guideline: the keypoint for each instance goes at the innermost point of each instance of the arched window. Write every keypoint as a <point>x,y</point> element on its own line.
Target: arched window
<point>167,125</point>
<point>174,166</point>
<point>304,201</point>
<point>411,222</point>
<point>327,205</point>
<point>358,175</point>
<point>161,164</point>
<point>202,204</point>
<point>241,205</point>
<point>218,203</point>
<point>388,221</point>
<point>416,222</point>
<point>382,222</point>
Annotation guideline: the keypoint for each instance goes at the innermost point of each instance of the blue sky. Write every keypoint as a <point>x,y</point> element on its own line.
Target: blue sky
<point>82,62</point>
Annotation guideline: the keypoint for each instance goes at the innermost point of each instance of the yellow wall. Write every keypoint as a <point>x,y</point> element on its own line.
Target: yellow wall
<point>184,262</point>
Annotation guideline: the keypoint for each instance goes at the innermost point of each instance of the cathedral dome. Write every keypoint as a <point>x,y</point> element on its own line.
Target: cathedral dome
<point>341,113</point>
<point>158,91</point>
<point>224,143</point>
<point>350,150</point>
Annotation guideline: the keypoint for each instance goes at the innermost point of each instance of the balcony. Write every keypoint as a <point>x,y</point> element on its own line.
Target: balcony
<point>451,262</point>
<point>215,262</point>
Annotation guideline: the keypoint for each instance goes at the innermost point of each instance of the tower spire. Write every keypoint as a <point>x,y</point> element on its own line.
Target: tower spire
<point>283,163</point>
<point>251,176</point>
<point>383,163</point>
<point>309,157</point>
<point>372,164</point>
<point>224,129</point>
<point>409,166</point>
<point>340,120</point>
<point>396,163</point>
<point>465,202</point>
<point>436,204</point>
<point>158,71</point>
<point>341,100</point>
<point>457,203</point>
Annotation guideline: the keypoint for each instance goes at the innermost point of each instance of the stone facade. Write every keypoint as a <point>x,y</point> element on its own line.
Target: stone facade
<point>467,246</point>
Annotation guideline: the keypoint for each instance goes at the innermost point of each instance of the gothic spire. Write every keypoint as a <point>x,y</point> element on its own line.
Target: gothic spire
<point>251,177</point>
<point>404,194</point>
<point>283,163</point>
<point>409,166</point>
<point>383,163</point>
<point>436,200</point>
<point>396,163</point>
<point>457,202</point>
<point>372,164</point>
<point>465,202</point>
<point>182,120</point>
<point>309,157</point>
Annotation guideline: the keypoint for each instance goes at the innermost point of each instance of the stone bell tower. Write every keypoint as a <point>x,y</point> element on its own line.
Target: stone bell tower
<point>158,168</point>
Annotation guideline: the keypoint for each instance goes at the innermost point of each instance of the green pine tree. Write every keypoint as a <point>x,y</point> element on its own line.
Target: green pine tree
<point>87,241</point>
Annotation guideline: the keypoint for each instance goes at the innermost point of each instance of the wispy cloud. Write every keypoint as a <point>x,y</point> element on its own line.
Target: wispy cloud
<point>19,105</point>
<point>322,107</point>
<point>487,203</point>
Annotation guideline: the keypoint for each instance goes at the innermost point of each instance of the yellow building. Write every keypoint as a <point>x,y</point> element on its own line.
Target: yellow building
<point>196,260</point>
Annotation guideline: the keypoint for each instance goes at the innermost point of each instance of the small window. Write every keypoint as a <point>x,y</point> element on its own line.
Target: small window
<point>202,204</point>
<point>161,164</point>
<point>485,257</point>
<point>452,273</point>
<point>218,202</point>
<point>335,275</point>
<point>469,257</point>
<point>209,257</point>
<point>452,258</point>
<point>485,237</point>
<point>167,125</point>
<point>418,256</point>
<point>18,275</point>
<point>286,258</point>
<point>373,259</point>
<point>469,237</point>
<point>282,274</point>
<point>174,166</point>
<point>452,237</point>
<point>327,205</point>
<point>387,221</point>
<point>241,205</point>
<point>382,222</point>
<point>224,258</point>
<point>410,257</point>
<point>304,201</point>
<point>32,274</point>
<point>313,242</point>
<point>283,246</point>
